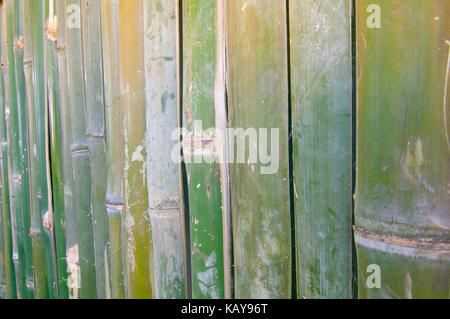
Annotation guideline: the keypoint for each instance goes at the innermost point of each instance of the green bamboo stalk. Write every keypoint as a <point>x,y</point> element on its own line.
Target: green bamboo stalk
<point>3,261</point>
<point>15,177</point>
<point>24,184</point>
<point>204,189</point>
<point>321,92</point>
<point>132,87</point>
<point>222,143</point>
<point>258,98</point>
<point>162,171</point>
<point>80,153</point>
<point>184,209</point>
<point>70,218</point>
<point>403,160</point>
<point>56,146</point>
<point>114,145</point>
<point>11,291</point>
<point>45,209</point>
<point>40,272</point>
<point>95,132</point>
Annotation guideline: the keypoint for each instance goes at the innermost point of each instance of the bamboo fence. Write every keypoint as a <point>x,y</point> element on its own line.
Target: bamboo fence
<point>224,149</point>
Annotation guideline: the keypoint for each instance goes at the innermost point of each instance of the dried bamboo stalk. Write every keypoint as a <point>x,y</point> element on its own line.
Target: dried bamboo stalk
<point>132,99</point>
<point>162,171</point>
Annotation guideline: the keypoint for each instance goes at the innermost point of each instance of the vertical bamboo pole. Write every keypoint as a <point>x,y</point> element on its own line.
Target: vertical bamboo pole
<point>70,219</point>
<point>56,146</point>
<point>6,207</point>
<point>84,251</point>
<point>321,91</point>
<point>114,145</point>
<point>46,218</point>
<point>162,171</point>
<point>23,147</point>
<point>205,201</point>
<point>403,151</point>
<point>220,102</point>
<point>258,99</point>
<point>40,290</point>
<point>132,88</point>
<point>184,209</point>
<point>3,260</point>
<point>95,132</point>
<point>14,142</point>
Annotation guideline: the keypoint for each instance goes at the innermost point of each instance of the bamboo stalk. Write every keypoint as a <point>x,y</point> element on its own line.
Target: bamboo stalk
<point>403,158</point>
<point>70,219</point>
<point>258,98</point>
<point>162,171</point>
<point>222,145</point>
<point>11,292</point>
<point>95,132</point>
<point>24,184</point>
<point>3,260</point>
<point>56,147</point>
<point>184,207</point>
<point>322,156</point>
<point>132,99</point>
<point>45,210</point>
<point>114,145</point>
<point>80,156</point>
<point>205,201</point>
<point>15,177</point>
<point>40,290</point>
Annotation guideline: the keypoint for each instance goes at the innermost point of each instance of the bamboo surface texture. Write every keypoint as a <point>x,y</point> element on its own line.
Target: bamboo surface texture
<point>10,279</point>
<point>322,150</point>
<point>258,98</point>
<point>203,176</point>
<point>95,132</point>
<point>114,146</point>
<point>138,236</point>
<point>162,172</point>
<point>84,251</point>
<point>212,149</point>
<point>402,203</point>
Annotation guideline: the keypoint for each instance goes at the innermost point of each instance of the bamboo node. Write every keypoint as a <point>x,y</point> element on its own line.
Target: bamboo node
<point>420,243</point>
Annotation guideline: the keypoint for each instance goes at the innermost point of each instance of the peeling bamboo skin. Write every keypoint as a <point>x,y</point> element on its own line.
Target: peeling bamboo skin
<point>93,81</point>
<point>403,162</point>
<point>322,152</point>
<point>205,202</point>
<point>23,147</point>
<point>258,98</point>
<point>162,172</point>
<point>80,155</point>
<point>132,87</point>
<point>11,292</point>
<point>114,145</point>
